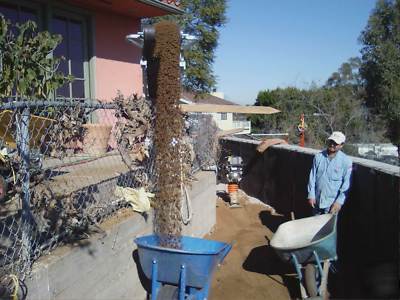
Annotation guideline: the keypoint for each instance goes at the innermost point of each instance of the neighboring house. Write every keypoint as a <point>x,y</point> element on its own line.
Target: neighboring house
<point>94,45</point>
<point>376,150</point>
<point>224,120</point>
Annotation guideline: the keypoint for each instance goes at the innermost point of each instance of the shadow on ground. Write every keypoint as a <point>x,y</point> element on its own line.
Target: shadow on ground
<point>270,221</point>
<point>146,283</point>
<point>263,260</point>
<point>224,196</point>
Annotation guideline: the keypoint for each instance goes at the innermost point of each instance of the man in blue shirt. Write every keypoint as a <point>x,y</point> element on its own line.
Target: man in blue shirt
<point>329,181</point>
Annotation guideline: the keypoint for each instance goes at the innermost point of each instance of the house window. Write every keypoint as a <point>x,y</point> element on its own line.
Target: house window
<point>17,13</point>
<point>74,46</point>
<point>224,116</point>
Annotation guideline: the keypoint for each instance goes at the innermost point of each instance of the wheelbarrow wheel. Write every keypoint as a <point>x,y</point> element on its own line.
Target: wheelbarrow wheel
<point>310,278</point>
<point>168,292</point>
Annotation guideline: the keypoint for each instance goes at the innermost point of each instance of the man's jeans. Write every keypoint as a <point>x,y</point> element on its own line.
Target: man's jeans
<point>320,211</point>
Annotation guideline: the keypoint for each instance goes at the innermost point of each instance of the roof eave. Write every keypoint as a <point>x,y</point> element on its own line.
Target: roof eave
<point>163,6</point>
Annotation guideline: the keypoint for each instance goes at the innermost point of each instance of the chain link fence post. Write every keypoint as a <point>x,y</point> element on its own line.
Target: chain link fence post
<point>23,152</point>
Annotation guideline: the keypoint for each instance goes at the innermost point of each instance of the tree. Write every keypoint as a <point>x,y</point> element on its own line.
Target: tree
<point>268,123</point>
<point>28,69</point>
<point>338,108</point>
<point>380,66</point>
<point>347,74</point>
<point>325,108</point>
<point>202,18</point>
<point>355,98</point>
<point>290,101</point>
<point>360,125</point>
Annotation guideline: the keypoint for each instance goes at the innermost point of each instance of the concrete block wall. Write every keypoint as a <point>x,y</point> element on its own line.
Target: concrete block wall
<point>203,205</point>
<point>368,224</point>
<point>106,266</point>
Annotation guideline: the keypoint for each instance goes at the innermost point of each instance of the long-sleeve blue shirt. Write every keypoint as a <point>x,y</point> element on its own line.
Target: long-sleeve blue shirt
<point>329,179</point>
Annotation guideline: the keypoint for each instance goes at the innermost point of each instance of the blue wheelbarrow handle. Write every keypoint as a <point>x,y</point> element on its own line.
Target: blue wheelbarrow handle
<point>224,252</point>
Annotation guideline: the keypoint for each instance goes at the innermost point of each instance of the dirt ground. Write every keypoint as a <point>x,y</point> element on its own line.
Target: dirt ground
<point>251,270</point>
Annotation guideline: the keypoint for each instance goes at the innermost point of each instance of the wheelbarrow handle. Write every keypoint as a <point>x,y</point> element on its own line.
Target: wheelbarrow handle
<point>224,252</point>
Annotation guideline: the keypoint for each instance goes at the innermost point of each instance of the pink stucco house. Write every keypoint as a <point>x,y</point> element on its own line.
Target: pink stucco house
<point>93,39</point>
<point>94,44</point>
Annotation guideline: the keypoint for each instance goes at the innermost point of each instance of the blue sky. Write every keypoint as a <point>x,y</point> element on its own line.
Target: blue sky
<point>278,43</point>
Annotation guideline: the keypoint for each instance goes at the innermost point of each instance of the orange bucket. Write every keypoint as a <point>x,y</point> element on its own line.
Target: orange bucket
<point>232,187</point>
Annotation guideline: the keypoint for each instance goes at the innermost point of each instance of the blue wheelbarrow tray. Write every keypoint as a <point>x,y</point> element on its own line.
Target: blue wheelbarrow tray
<point>198,257</point>
<point>304,236</point>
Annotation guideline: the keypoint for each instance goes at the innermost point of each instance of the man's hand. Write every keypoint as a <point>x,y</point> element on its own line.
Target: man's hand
<point>335,208</point>
<point>312,202</point>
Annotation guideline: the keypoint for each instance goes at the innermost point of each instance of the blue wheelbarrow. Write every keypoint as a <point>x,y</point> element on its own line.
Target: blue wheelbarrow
<point>183,273</point>
<point>308,244</point>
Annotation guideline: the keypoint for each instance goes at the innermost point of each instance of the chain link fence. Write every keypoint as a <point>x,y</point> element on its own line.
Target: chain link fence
<point>60,164</point>
<point>203,134</point>
<point>58,171</point>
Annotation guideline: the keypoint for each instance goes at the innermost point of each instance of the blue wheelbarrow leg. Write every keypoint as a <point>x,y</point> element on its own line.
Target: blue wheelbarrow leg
<point>318,260</point>
<point>182,283</point>
<point>155,285</point>
<point>323,274</point>
<point>297,266</point>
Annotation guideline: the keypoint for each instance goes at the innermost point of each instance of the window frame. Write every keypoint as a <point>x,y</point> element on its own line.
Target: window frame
<point>30,5</point>
<point>46,10</point>
<point>61,13</point>
<point>224,116</point>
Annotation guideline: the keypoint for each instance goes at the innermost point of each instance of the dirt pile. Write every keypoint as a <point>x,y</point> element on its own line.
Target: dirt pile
<point>251,270</point>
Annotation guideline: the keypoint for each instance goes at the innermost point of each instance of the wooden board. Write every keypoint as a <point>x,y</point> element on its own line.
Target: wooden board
<point>38,127</point>
<point>208,108</point>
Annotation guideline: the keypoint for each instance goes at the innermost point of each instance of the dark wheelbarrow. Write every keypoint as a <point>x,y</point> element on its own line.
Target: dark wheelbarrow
<point>309,244</point>
<point>183,273</point>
